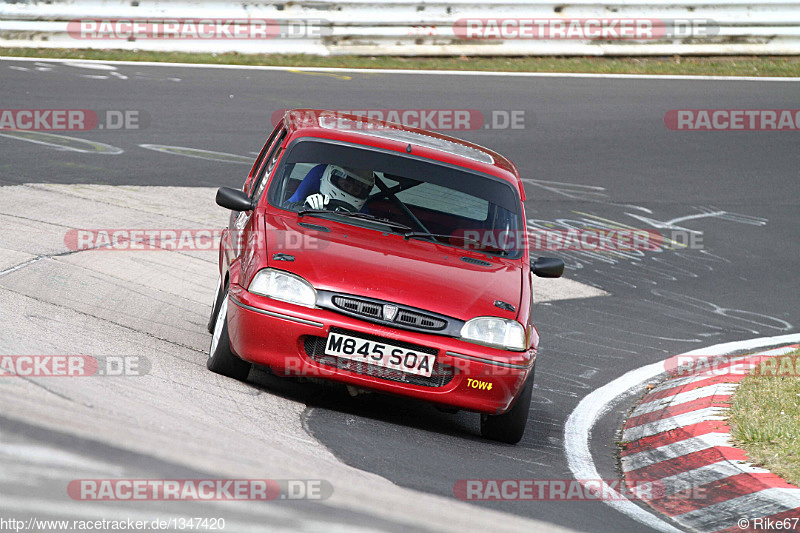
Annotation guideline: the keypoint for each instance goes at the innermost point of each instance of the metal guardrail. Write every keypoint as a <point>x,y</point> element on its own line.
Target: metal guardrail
<point>402,27</point>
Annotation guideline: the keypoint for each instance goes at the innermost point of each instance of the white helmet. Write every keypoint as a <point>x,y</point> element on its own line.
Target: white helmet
<point>348,185</point>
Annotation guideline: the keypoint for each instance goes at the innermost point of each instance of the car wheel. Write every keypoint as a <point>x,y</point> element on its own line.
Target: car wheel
<point>215,306</point>
<point>510,426</point>
<point>221,359</point>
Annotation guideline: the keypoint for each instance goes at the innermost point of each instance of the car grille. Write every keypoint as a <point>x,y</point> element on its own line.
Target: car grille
<point>441,375</point>
<point>404,316</point>
<point>360,307</point>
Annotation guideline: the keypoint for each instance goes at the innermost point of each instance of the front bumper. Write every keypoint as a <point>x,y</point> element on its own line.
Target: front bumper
<point>290,340</point>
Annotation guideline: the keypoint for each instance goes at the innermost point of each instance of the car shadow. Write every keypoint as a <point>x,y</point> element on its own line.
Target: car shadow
<point>401,412</point>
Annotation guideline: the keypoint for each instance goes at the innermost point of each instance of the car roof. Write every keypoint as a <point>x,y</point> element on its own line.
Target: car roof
<point>359,129</point>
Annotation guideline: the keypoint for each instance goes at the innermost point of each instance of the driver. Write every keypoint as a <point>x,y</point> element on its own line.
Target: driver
<point>340,184</point>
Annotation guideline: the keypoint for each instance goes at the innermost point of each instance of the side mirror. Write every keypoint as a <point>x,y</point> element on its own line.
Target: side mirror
<point>233,199</point>
<point>548,267</point>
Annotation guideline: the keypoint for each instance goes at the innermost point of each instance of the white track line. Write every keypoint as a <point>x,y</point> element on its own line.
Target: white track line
<point>581,422</point>
<point>409,71</point>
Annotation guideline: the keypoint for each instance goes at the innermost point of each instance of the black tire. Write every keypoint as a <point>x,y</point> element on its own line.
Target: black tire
<point>510,426</point>
<point>221,360</point>
<point>215,307</point>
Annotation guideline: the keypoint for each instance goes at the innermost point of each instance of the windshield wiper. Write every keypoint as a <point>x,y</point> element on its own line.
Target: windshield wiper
<point>438,236</point>
<point>304,212</point>
<point>373,218</point>
<point>363,216</point>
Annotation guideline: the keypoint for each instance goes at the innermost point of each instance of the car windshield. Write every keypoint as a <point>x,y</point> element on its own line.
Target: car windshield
<point>418,198</point>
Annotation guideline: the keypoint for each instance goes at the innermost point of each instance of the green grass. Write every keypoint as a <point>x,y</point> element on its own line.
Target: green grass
<point>719,66</point>
<point>765,417</point>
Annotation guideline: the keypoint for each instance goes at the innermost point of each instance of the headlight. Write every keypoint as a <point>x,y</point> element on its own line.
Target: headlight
<point>497,332</point>
<point>283,286</point>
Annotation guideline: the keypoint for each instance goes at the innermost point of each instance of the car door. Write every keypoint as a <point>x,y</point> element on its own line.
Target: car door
<point>246,245</point>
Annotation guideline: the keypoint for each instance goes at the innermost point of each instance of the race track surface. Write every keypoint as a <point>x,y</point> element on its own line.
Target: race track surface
<point>593,152</point>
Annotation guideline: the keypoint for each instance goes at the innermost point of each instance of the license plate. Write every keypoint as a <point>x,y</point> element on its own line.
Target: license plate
<point>380,354</point>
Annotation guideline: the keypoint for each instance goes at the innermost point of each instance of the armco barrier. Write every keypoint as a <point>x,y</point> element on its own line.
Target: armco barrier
<point>402,27</point>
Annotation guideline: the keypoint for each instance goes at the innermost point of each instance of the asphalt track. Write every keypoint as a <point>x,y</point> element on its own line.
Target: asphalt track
<point>592,149</point>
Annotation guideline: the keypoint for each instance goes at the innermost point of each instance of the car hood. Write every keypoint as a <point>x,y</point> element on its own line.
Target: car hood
<point>417,273</point>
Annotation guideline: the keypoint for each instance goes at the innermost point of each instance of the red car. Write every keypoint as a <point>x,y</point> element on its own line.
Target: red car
<point>384,257</point>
